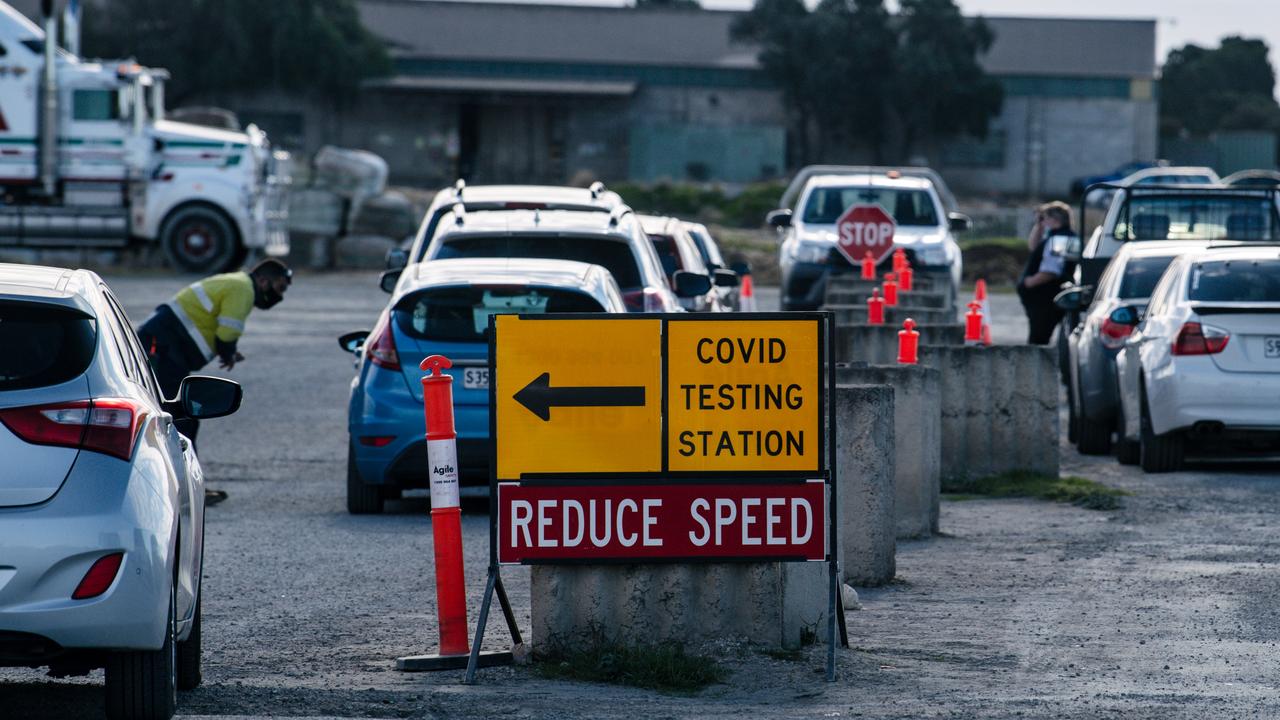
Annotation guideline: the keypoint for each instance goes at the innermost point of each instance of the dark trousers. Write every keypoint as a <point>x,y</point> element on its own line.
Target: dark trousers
<point>174,355</point>
<point>1042,318</point>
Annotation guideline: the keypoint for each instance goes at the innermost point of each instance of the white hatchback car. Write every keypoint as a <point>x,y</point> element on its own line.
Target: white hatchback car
<point>101,499</point>
<point>1203,367</point>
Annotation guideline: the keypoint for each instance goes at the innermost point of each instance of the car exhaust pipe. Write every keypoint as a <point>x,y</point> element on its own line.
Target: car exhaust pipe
<point>1208,428</point>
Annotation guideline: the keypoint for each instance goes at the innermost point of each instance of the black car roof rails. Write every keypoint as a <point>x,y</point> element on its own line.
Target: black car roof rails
<point>616,214</point>
<point>597,189</point>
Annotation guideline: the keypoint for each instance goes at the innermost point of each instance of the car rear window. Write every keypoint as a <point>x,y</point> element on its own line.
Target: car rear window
<point>42,345</point>
<point>668,253</point>
<point>1197,217</point>
<point>908,207</point>
<point>1236,281</point>
<point>1141,276</point>
<point>615,256</point>
<point>461,314</point>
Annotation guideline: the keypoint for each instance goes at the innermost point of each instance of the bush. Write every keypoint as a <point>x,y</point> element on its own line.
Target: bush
<point>703,203</point>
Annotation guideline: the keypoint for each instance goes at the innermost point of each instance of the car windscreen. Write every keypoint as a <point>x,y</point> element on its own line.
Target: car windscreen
<point>1141,275</point>
<point>1243,281</point>
<point>1197,217</point>
<point>42,345</point>
<point>613,255</point>
<point>908,207</point>
<point>461,314</point>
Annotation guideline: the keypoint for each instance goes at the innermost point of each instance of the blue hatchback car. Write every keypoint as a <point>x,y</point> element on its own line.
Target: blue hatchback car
<point>443,308</point>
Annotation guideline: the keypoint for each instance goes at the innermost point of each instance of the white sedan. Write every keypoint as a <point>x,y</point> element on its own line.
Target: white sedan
<point>1203,367</point>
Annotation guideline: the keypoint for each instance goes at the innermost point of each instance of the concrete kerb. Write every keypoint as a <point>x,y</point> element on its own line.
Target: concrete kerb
<point>999,409</point>
<point>770,604</point>
<point>857,315</point>
<point>865,470</point>
<point>917,432</point>
<point>878,344</point>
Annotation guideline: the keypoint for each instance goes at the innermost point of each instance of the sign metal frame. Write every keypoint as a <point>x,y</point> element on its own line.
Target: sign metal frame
<point>825,470</point>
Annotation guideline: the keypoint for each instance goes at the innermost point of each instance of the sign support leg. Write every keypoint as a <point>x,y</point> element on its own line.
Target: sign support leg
<point>834,601</point>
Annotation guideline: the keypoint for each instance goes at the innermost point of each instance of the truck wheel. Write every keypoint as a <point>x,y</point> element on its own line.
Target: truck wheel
<point>142,684</point>
<point>199,239</point>
<point>362,499</point>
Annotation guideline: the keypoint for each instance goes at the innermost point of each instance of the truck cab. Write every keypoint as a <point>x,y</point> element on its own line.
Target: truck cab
<point>87,159</point>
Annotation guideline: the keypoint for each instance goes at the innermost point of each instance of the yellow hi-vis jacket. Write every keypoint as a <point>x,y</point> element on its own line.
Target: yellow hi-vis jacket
<point>213,310</point>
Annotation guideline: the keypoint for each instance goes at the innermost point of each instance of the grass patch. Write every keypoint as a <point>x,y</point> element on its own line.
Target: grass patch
<point>664,667</point>
<point>1083,492</point>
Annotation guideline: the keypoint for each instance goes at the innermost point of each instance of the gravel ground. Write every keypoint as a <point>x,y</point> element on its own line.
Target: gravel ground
<point>1021,609</point>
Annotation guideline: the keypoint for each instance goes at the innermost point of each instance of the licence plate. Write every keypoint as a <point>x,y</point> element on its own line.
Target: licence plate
<point>475,378</point>
<point>1271,346</point>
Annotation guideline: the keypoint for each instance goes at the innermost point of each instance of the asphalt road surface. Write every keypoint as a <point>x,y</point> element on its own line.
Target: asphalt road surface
<point>1163,609</point>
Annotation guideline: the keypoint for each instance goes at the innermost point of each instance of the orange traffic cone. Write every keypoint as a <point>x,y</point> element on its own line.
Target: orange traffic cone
<point>980,296</point>
<point>908,343</point>
<point>875,308</point>
<point>747,295</point>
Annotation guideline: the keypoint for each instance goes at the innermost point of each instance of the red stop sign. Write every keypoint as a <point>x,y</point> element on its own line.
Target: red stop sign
<point>865,228</point>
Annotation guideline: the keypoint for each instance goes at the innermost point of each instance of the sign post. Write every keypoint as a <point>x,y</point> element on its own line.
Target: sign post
<point>662,438</point>
<point>864,230</point>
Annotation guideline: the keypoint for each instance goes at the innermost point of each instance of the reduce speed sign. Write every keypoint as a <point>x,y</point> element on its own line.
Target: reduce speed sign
<point>865,229</point>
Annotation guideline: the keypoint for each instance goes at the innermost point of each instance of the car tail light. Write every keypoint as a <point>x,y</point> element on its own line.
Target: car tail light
<point>100,576</point>
<point>1197,339</point>
<point>644,300</point>
<point>1113,334</point>
<point>376,440</point>
<point>105,425</point>
<point>382,349</point>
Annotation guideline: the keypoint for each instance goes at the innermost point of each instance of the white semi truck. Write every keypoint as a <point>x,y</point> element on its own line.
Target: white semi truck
<point>87,159</point>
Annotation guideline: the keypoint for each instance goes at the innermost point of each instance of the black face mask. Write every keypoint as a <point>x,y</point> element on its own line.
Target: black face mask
<point>266,299</point>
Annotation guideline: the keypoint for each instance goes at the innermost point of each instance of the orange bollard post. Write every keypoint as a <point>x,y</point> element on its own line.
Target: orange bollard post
<point>899,261</point>
<point>446,515</point>
<point>906,276</point>
<point>747,295</point>
<point>890,289</point>
<point>980,295</point>
<point>868,267</point>
<point>875,308</point>
<point>908,343</point>
<point>973,324</point>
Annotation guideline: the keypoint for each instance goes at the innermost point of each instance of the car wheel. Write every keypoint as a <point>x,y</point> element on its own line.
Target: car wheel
<point>189,674</point>
<point>199,239</point>
<point>1158,453</point>
<point>1094,438</point>
<point>362,498</point>
<point>1127,452</point>
<point>142,684</point>
<point>1073,420</point>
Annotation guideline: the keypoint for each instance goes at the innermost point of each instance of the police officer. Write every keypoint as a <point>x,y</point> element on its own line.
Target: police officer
<point>204,321</point>
<point>1046,268</point>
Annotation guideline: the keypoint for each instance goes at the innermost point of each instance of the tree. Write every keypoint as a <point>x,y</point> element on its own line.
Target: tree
<point>940,90</point>
<point>1225,88</point>
<point>783,29</point>
<point>317,47</point>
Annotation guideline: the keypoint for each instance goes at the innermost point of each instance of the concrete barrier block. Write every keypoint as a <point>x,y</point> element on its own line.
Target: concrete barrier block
<point>999,409</point>
<point>771,604</point>
<point>878,344</point>
<point>865,473</point>
<point>917,440</point>
<point>857,315</point>
<point>854,281</point>
<point>907,299</point>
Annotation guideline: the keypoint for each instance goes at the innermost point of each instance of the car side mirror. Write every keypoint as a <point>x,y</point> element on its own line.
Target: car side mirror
<point>397,258</point>
<point>1070,299</point>
<point>353,341</point>
<point>740,267</point>
<point>726,278</point>
<point>690,284</point>
<point>202,397</point>
<point>778,218</point>
<point>388,281</point>
<point>1126,315</point>
<point>958,222</point>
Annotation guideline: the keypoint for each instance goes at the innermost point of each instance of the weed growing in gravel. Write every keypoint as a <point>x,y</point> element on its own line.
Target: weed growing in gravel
<point>664,667</point>
<point>1079,491</point>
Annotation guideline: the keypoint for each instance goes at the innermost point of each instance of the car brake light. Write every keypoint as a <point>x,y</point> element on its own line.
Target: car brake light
<point>382,351</point>
<point>376,440</point>
<point>105,425</point>
<point>1197,339</point>
<point>1113,334</point>
<point>100,576</point>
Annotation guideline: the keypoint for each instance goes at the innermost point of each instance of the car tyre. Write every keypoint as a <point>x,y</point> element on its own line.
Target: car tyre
<point>189,671</point>
<point>1158,453</point>
<point>1094,438</point>
<point>143,684</point>
<point>1127,452</point>
<point>362,498</point>
<point>199,239</point>
<point>1073,419</point>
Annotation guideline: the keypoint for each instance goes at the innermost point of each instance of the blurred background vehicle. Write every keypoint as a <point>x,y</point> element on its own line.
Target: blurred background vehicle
<point>677,251</point>
<point>442,308</point>
<point>1253,178</point>
<point>730,295</point>
<point>1201,370</point>
<point>101,499</point>
<point>1079,185</point>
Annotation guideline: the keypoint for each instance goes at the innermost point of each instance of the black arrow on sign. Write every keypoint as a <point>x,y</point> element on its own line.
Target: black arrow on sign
<point>539,397</point>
